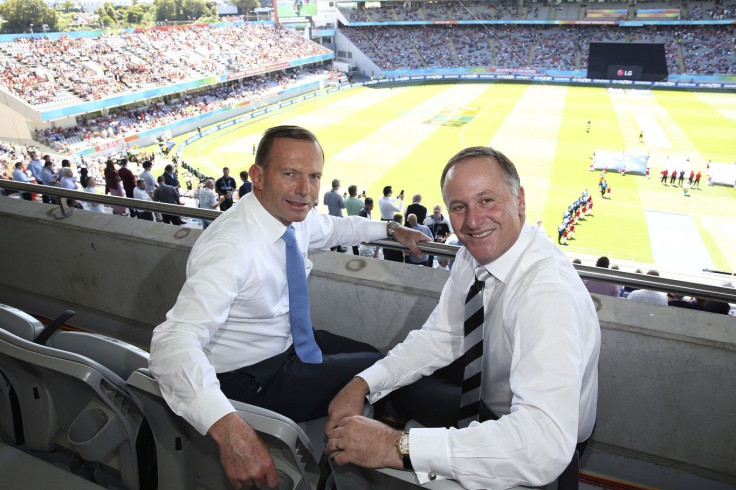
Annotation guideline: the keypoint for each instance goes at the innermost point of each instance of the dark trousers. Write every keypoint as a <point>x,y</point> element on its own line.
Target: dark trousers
<point>295,389</point>
<point>393,255</point>
<point>172,219</point>
<point>26,196</point>
<point>226,204</point>
<point>146,215</point>
<point>433,401</point>
<point>131,211</point>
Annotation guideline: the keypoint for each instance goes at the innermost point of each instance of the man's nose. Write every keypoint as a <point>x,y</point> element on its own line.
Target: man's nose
<point>474,217</point>
<point>303,186</point>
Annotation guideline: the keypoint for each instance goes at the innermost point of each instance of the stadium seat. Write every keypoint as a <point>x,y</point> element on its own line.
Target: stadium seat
<point>189,460</point>
<point>28,328</point>
<point>70,403</point>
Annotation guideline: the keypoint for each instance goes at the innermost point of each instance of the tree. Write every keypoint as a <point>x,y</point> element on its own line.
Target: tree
<point>193,9</point>
<point>21,14</point>
<point>245,6</point>
<point>134,15</point>
<point>165,9</point>
<point>107,10</point>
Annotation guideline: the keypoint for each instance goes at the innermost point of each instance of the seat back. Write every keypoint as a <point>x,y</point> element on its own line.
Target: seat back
<point>19,323</point>
<point>72,403</point>
<point>119,357</point>
<point>189,460</point>
<point>28,328</point>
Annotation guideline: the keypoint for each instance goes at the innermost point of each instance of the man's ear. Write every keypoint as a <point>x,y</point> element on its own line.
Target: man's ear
<point>256,174</point>
<point>522,204</point>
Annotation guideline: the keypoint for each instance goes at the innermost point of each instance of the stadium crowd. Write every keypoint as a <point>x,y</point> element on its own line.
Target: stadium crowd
<point>39,70</point>
<point>509,10</point>
<point>125,121</point>
<point>704,50</point>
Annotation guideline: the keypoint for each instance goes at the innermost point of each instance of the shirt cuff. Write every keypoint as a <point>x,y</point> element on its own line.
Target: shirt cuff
<point>207,409</point>
<point>377,230</point>
<point>374,376</point>
<point>428,452</point>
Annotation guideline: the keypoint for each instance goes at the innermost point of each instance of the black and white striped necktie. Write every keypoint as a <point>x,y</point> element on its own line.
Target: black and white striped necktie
<point>473,344</point>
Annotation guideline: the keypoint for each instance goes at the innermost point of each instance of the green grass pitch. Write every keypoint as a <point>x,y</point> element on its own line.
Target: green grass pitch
<point>403,136</point>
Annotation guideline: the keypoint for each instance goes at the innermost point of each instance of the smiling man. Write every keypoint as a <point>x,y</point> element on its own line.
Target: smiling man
<point>240,328</point>
<point>504,373</point>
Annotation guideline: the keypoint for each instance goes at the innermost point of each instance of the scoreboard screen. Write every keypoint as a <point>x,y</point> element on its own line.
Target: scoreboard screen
<point>627,61</point>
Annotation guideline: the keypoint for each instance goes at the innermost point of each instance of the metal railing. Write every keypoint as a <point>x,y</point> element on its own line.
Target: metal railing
<point>627,279</point>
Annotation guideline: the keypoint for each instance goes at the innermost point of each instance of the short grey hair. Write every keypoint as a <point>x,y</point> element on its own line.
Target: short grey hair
<point>507,166</point>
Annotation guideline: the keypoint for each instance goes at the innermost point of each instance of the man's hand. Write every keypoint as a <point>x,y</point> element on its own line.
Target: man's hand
<point>410,238</point>
<point>365,442</point>
<point>349,401</point>
<point>245,457</point>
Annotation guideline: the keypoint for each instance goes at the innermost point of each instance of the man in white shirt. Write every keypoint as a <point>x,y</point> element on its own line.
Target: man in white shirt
<point>140,192</point>
<point>229,335</point>
<point>209,200</point>
<point>387,206</point>
<point>536,366</point>
<point>648,296</point>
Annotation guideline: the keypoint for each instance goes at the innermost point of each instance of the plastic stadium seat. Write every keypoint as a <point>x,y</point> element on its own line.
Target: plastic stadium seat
<point>71,403</point>
<point>189,460</point>
<point>28,328</point>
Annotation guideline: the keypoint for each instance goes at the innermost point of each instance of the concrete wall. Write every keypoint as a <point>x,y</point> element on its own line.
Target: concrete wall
<point>667,375</point>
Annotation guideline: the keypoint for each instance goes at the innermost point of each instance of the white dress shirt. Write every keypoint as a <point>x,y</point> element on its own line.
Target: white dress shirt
<point>233,309</point>
<point>91,206</point>
<point>387,206</point>
<point>68,183</point>
<point>540,369</point>
<point>647,296</point>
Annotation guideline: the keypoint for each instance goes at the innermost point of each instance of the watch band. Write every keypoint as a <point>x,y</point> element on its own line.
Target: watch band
<point>406,459</point>
<point>391,229</point>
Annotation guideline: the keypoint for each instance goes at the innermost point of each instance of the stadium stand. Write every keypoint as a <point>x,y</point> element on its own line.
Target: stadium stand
<point>66,71</point>
<point>38,69</point>
<point>705,50</point>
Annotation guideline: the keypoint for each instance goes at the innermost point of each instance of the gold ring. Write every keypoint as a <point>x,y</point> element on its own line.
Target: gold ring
<point>337,446</point>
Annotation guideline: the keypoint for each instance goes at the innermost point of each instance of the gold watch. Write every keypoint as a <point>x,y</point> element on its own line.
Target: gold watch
<point>402,444</point>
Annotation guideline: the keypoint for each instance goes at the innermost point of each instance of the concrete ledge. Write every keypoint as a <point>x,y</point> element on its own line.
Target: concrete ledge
<point>667,375</point>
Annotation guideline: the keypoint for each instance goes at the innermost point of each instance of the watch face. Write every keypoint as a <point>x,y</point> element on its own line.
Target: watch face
<point>404,444</point>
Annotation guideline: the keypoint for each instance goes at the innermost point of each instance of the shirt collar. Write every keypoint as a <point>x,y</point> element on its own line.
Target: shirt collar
<point>502,267</point>
<point>272,228</point>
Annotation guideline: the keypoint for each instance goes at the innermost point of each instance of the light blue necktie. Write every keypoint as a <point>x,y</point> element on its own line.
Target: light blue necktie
<point>301,323</point>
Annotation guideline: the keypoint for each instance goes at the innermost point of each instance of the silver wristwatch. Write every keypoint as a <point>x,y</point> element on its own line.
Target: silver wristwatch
<point>391,229</point>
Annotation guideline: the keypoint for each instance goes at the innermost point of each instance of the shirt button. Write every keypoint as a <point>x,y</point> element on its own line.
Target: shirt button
<point>378,394</point>
<point>432,475</point>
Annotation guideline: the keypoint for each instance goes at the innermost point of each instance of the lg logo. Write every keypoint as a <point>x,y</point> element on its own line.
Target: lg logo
<point>624,73</point>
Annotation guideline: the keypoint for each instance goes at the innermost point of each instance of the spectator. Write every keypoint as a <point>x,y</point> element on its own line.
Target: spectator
<point>599,287</point>
<point>209,200</point>
<point>89,186</point>
<point>648,296</point>
<point>141,193</point>
<point>19,175</point>
<point>387,206</point>
<point>113,184</point>
<point>225,186</point>
<point>247,185</point>
<point>411,222</point>
<point>167,194</point>
<point>417,209</point>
